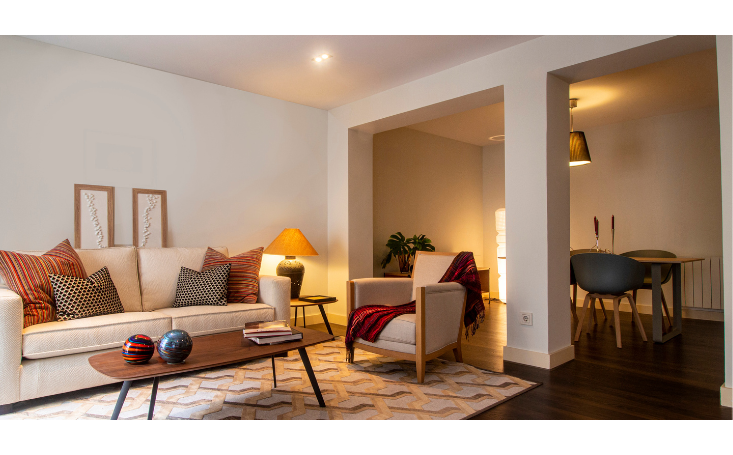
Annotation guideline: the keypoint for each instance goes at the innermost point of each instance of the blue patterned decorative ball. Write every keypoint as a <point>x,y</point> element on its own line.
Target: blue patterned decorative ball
<point>138,349</point>
<point>175,346</point>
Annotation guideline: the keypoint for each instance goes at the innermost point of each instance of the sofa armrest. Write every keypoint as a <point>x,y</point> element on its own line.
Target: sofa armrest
<point>443,314</point>
<point>378,291</point>
<point>275,291</point>
<point>11,350</point>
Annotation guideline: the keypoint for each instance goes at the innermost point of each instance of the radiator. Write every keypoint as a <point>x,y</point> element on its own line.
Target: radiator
<point>702,284</point>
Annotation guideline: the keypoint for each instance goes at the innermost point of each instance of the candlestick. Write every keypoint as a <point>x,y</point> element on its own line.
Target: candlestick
<point>613,235</point>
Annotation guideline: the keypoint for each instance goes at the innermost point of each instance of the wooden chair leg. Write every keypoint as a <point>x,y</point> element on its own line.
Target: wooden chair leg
<point>617,321</point>
<point>666,310</point>
<point>457,353</point>
<point>636,317</point>
<point>573,313</point>
<point>603,308</point>
<point>582,317</point>
<point>575,301</point>
<point>592,318</point>
<point>420,372</point>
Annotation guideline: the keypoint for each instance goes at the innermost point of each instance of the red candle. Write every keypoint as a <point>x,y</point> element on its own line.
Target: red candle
<point>613,225</point>
<point>595,224</point>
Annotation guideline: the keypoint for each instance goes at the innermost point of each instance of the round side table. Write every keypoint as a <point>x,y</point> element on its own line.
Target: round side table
<point>295,303</point>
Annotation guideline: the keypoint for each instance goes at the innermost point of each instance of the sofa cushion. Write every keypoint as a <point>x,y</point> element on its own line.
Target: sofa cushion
<point>400,330</point>
<point>202,288</point>
<point>27,275</point>
<point>389,345</point>
<point>122,265</point>
<point>243,282</point>
<point>78,298</point>
<point>205,320</point>
<point>58,338</point>
<point>159,268</point>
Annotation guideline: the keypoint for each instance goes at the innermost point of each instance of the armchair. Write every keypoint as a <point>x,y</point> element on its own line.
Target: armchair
<point>437,325</point>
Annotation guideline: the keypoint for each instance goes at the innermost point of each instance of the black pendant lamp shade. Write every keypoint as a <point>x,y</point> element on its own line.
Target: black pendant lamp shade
<point>579,154</point>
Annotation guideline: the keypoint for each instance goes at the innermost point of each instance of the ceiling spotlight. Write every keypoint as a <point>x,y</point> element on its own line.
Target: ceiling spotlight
<point>322,57</point>
<point>318,59</point>
<point>325,56</point>
<point>498,138</point>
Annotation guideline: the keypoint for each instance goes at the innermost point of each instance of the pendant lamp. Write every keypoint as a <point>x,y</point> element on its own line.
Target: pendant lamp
<point>579,154</point>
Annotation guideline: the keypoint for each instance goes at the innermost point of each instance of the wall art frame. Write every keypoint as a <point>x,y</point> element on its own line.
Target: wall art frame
<point>149,218</point>
<point>94,216</point>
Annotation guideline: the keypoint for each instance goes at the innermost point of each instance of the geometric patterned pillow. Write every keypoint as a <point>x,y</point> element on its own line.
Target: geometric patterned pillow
<point>244,276</point>
<point>78,298</point>
<point>202,288</point>
<point>27,276</point>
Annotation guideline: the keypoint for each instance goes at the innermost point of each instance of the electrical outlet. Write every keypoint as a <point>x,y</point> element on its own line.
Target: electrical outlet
<point>525,318</point>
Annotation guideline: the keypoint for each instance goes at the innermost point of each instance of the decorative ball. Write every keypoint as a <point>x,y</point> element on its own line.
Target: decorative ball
<point>138,349</point>
<point>175,346</point>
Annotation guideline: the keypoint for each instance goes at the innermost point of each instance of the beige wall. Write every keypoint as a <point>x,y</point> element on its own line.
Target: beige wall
<point>659,177</point>
<point>238,167</point>
<point>426,184</point>
<point>493,181</point>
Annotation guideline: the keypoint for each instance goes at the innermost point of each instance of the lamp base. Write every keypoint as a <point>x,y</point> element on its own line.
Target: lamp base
<point>293,269</point>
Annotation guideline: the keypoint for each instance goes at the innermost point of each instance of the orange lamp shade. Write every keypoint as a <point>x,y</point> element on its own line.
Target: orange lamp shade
<point>291,242</point>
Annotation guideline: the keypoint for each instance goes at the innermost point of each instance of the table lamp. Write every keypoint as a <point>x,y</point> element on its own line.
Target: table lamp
<point>291,243</point>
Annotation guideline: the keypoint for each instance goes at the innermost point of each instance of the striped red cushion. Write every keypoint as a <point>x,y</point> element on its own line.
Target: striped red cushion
<point>244,275</point>
<point>27,276</point>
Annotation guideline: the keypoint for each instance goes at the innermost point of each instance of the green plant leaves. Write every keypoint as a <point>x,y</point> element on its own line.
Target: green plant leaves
<point>404,248</point>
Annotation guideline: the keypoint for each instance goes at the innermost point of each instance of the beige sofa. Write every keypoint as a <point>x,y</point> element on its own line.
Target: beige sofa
<point>46,359</point>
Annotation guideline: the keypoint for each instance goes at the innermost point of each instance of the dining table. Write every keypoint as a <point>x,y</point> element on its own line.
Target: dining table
<point>658,334</point>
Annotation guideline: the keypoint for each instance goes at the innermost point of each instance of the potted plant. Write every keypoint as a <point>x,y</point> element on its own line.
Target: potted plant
<point>404,249</point>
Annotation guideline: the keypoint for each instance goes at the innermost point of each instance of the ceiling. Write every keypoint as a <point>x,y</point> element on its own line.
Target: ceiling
<point>282,67</point>
<point>679,84</point>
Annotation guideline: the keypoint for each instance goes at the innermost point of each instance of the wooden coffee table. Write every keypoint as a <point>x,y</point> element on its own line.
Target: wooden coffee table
<point>208,351</point>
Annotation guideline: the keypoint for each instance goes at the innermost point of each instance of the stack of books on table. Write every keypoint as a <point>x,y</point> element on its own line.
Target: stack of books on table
<point>270,332</point>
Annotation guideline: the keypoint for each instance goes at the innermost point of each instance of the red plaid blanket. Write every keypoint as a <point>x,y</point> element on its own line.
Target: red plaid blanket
<point>367,322</point>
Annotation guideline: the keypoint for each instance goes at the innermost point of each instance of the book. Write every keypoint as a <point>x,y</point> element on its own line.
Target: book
<point>317,298</point>
<point>263,327</point>
<point>268,334</point>
<point>294,336</point>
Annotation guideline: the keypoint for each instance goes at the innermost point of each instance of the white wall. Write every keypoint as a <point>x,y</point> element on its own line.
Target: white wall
<point>725,93</point>
<point>493,185</point>
<point>238,167</point>
<point>427,184</point>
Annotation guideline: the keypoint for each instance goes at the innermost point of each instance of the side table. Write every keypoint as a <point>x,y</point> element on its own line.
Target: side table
<point>295,303</point>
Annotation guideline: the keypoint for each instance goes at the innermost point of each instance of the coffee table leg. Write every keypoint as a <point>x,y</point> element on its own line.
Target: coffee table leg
<point>152,399</point>
<point>274,377</point>
<point>325,319</point>
<point>311,376</point>
<point>121,399</point>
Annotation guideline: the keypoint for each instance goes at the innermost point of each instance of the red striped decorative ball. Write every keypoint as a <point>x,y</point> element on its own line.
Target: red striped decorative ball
<point>138,349</point>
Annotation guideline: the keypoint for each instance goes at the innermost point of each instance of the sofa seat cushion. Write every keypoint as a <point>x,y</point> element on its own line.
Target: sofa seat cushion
<point>54,339</point>
<point>389,345</point>
<point>205,320</point>
<point>400,330</point>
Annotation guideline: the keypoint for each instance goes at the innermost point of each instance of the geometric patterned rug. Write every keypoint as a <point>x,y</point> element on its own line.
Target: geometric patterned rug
<point>374,387</point>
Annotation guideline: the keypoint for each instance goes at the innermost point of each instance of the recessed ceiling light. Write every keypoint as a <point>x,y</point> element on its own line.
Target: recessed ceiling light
<point>498,138</point>
<point>325,56</point>
<point>322,57</point>
<point>318,59</point>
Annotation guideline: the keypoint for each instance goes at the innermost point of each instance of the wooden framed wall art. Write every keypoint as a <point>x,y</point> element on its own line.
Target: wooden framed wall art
<point>94,216</point>
<point>149,218</point>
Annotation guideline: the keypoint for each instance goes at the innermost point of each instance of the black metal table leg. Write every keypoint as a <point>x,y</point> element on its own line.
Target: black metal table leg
<point>325,319</point>
<point>274,376</point>
<point>152,399</point>
<point>296,317</point>
<point>121,399</point>
<point>311,376</point>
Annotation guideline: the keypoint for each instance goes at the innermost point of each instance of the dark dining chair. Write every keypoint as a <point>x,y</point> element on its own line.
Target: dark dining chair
<point>574,284</point>
<point>608,276</point>
<point>666,272</point>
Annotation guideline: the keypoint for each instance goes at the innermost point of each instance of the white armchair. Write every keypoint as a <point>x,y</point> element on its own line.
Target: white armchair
<point>437,325</point>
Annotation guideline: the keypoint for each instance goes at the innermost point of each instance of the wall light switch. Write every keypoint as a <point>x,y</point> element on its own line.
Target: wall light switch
<point>525,318</point>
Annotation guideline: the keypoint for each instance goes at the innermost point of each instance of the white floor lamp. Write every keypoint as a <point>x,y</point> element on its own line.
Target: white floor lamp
<point>501,251</point>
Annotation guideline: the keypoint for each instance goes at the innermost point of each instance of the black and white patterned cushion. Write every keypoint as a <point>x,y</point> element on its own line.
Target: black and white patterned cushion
<point>202,288</point>
<point>78,298</point>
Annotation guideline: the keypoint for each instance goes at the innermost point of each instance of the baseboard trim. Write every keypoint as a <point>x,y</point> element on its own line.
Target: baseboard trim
<point>726,396</point>
<point>687,312</point>
<point>539,359</point>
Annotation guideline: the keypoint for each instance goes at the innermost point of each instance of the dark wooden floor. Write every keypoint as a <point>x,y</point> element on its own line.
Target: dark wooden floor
<point>680,379</point>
